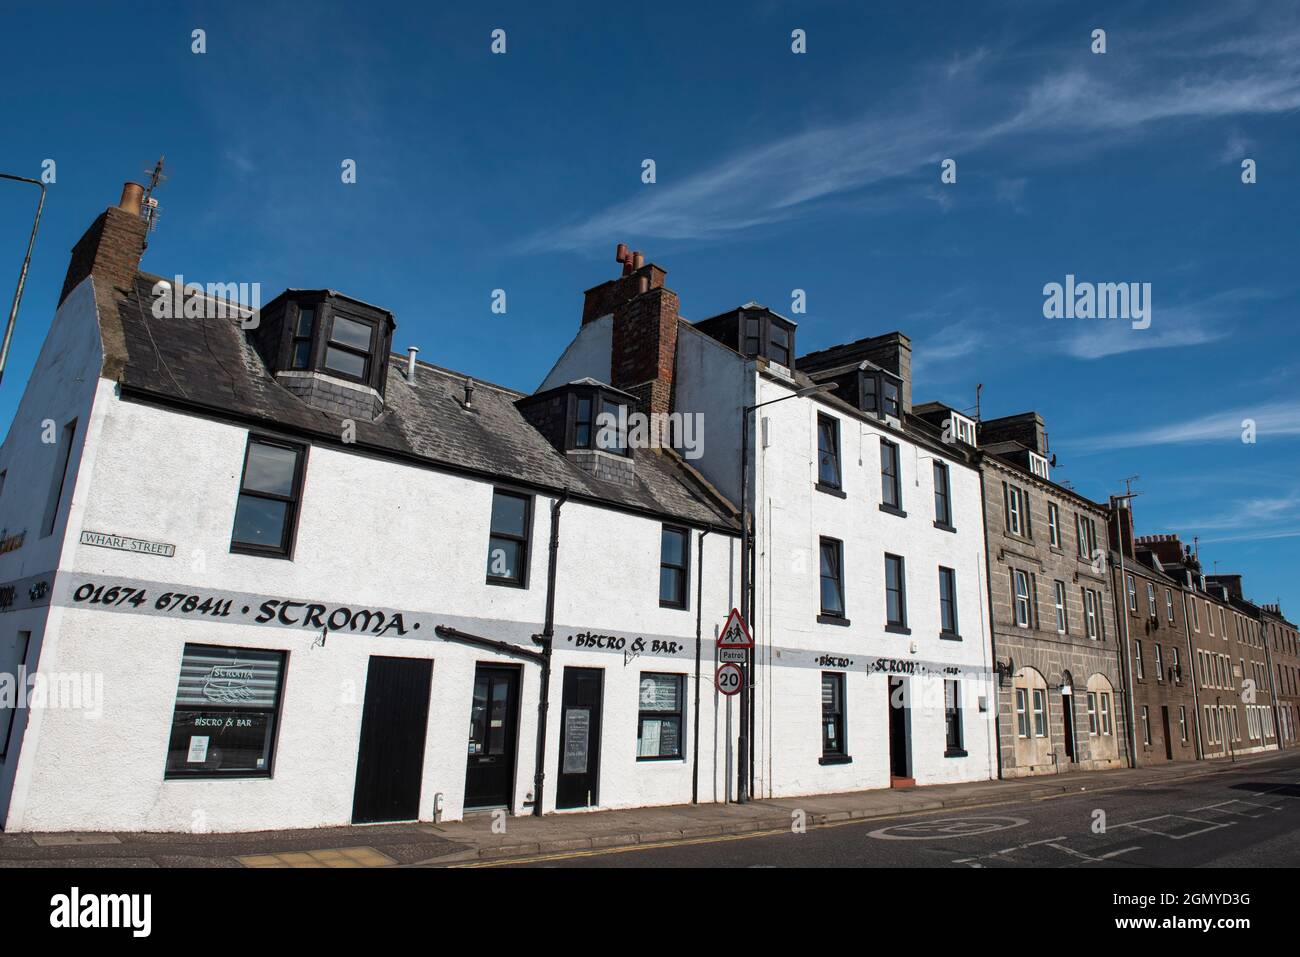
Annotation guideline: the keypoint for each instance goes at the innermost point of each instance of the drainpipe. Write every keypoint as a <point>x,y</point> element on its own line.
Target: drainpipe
<point>1192,663</point>
<point>546,640</point>
<point>993,643</point>
<point>1119,598</point>
<point>699,623</point>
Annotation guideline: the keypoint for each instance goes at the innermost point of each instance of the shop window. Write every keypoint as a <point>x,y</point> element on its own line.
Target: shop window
<point>266,514</point>
<point>227,709</point>
<point>833,743</point>
<point>659,729</point>
<point>952,719</point>
<point>507,560</point>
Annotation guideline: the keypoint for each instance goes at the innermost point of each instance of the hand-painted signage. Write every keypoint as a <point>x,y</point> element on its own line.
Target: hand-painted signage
<point>137,545</point>
<point>577,735</point>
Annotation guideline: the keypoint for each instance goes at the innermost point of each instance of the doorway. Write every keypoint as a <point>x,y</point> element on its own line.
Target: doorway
<point>493,736</point>
<point>390,753</point>
<point>1067,724</point>
<point>1169,742</point>
<point>900,751</point>
<point>579,779</point>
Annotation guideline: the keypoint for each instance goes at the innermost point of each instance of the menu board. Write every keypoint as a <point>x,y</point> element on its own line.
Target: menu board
<point>577,737</point>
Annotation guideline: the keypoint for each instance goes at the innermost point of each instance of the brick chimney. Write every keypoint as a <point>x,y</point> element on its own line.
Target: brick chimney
<point>638,276</point>
<point>111,248</point>
<point>1167,548</point>
<point>644,348</point>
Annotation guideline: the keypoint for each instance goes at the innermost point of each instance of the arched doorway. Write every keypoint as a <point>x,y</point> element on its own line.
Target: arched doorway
<point>1067,717</point>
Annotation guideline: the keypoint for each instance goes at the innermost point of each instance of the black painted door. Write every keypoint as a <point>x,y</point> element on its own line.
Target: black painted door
<point>1169,741</point>
<point>390,755</point>
<point>1067,724</point>
<point>493,730</point>
<point>900,764</point>
<point>579,777</point>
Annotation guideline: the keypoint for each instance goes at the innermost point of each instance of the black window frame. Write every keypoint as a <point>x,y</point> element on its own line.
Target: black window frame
<point>679,714</point>
<point>293,502</point>
<point>763,342</point>
<point>954,733</point>
<point>684,569</point>
<point>836,718</point>
<point>526,540</point>
<point>9,716</point>
<point>299,337</point>
<point>273,735</point>
<point>831,616</point>
<point>948,575</point>
<point>367,355</point>
<point>898,627</point>
<point>891,467</point>
<point>943,496</point>
<point>828,426</point>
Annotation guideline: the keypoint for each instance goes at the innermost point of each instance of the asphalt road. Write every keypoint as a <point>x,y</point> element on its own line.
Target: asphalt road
<point>1247,817</point>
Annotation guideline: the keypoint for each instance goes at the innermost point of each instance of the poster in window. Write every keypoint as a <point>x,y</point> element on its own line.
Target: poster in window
<point>649,743</point>
<point>198,749</point>
<point>577,733</point>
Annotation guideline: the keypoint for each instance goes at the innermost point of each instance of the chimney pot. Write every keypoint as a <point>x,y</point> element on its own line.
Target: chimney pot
<point>410,362</point>
<point>637,261</point>
<point>469,391</point>
<point>620,254</point>
<point>132,197</point>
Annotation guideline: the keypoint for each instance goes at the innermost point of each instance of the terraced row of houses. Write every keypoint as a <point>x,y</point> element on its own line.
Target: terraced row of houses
<point>264,571</point>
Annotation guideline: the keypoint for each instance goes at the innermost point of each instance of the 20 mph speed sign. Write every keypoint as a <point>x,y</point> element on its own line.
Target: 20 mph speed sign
<point>729,678</point>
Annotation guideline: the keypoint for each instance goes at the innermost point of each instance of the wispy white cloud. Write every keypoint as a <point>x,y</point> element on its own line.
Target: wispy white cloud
<point>1256,71</point>
<point>1271,420</point>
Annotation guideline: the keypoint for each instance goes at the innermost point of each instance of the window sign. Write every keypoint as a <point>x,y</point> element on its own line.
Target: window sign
<point>227,705</point>
<point>660,725</point>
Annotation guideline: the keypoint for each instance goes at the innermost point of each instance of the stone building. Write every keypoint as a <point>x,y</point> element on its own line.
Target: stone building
<point>1234,699</point>
<point>1160,655</point>
<point>1283,645</point>
<point>1054,628</point>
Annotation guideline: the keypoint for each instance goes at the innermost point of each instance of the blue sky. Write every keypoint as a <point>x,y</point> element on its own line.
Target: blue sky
<point>775,171</point>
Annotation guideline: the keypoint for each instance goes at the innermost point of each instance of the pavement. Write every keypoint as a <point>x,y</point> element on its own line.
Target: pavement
<point>586,837</point>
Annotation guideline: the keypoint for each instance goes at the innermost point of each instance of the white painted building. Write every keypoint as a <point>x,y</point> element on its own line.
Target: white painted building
<point>276,577</point>
<point>869,570</point>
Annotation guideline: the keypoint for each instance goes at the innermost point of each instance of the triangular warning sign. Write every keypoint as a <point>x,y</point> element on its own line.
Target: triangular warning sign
<point>735,633</point>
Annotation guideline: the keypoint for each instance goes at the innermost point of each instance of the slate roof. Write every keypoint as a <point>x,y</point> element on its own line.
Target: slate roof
<point>208,365</point>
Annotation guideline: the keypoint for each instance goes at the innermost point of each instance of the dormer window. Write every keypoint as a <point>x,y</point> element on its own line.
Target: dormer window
<point>764,334</point>
<point>595,418</point>
<point>350,346</point>
<point>1038,465</point>
<point>328,349</point>
<point>302,337</point>
<point>611,427</point>
<point>880,391</point>
<point>963,429</point>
